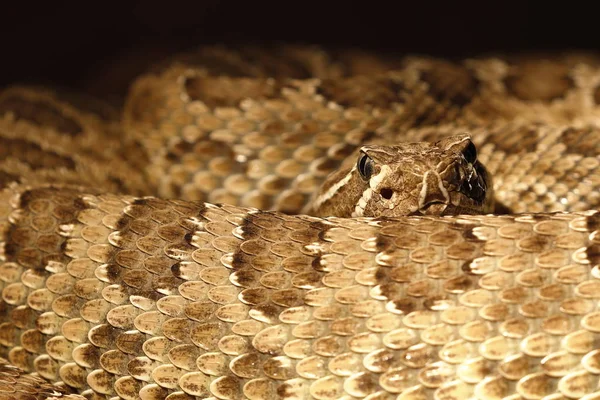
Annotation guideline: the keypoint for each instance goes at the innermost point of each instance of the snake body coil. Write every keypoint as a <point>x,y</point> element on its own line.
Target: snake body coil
<point>169,251</point>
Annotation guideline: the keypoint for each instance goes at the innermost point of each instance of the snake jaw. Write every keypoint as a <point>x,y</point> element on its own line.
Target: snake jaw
<point>434,209</point>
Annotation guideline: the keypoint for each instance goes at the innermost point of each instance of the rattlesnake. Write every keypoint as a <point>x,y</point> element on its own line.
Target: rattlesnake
<point>167,251</point>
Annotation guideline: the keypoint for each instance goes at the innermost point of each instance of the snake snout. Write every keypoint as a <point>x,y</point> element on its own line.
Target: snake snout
<point>433,192</point>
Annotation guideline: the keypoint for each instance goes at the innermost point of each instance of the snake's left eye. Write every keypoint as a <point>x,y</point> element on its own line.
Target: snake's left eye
<point>470,153</point>
<point>365,166</point>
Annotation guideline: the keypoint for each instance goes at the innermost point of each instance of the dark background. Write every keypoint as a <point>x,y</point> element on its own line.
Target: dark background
<point>100,46</point>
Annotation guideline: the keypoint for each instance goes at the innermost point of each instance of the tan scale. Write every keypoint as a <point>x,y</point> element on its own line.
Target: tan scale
<point>121,277</point>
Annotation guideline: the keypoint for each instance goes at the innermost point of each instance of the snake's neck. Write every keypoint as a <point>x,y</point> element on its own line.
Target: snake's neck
<point>340,194</point>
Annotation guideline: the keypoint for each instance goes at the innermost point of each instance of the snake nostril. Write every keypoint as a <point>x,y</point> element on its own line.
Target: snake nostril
<point>386,193</point>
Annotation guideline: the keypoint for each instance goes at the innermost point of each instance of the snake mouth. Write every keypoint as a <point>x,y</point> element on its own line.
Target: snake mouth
<point>441,208</point>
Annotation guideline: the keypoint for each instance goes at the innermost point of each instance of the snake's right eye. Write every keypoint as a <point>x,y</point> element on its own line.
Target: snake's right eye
<point>470,153</point>
<point>365,166</point>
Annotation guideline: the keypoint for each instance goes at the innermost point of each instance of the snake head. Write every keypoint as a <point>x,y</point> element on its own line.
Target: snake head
<point>440,178</point>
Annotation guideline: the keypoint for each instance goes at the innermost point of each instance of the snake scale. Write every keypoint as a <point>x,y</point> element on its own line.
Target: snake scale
<point>168,249</point>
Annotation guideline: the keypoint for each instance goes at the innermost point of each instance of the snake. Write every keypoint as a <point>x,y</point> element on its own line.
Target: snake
<point>298,222</point>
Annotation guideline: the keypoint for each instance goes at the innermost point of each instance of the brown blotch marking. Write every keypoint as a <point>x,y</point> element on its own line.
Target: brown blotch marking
<point>251,231</point>
<point>391,290</point>
<point>467,232</point>
<point>145,103</point>
<point>593,254</point>
<point>593,222</point>
<point>534,243</point>
<point>382,243</point>
<point>247,277</point>
<point>87,103</point>
<point>122,222</point>
<point>327,166</point>
<point>22,317</point>
<point>584,141</point>
<point>33,155</point>
<point>10,248</point>
<point>368,135</point>
<point>113,272</point>
<point>364,138</point>
<point>358,62</point>
<point>597,95</point>
<point>435,302</point>
<point>176,270</point>
<point>406,305</point>
<point>67,205</point>
<point>388,287</point>
<point>269,310</point>
<point>40,113</point>
<point>176,151</point>
<point>188,237</point>
<point>241,260</point>
<point>381,275</point>
<point>79,203</point>
<point>246,62</point>
<point>466,267</point>
<point>7,178</point>
<point>460,284</point>
<point>276,185</point>
<point>522,139</point>
<point>275,62</point>
<point>450,82</point>
<point>539,81</point>
<point>381,91</point>
<point>228,92</point>
<point>285,391</point>
<point>317,266</point>
<point>537,217</point>
<point>119,184</point>
<point>135,153</point>
<point>140,282</point>
<point>214,63</point>
<point>165,283</point>
<point>321,229</point>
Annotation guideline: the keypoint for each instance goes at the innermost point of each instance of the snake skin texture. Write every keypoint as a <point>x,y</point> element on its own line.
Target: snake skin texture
<point>165,250</point>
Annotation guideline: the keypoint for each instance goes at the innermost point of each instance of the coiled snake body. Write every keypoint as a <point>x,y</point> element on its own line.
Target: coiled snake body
<point>228,236</point>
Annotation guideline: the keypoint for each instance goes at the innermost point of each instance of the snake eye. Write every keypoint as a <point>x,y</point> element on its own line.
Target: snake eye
<point>365,166</point>
<point>470,153</point>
